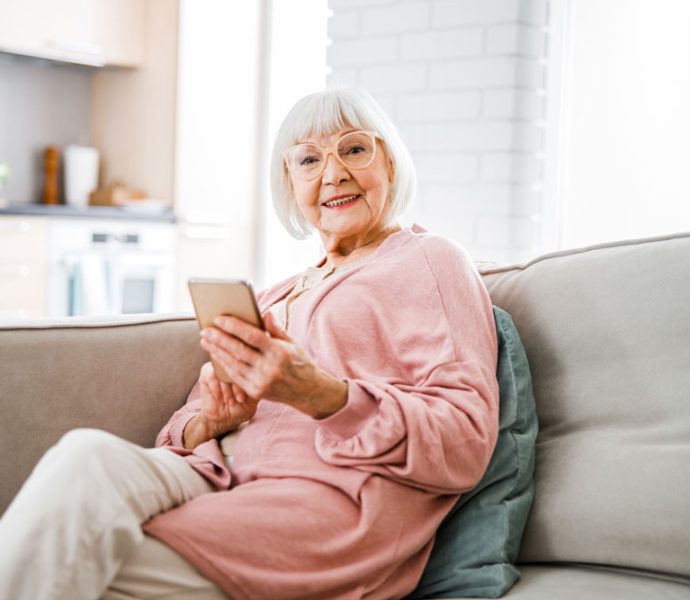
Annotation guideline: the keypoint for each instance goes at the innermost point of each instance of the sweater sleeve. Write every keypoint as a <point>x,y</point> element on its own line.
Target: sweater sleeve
<point>433,427</point>
<point>207,458</point>
<point>172,432</point>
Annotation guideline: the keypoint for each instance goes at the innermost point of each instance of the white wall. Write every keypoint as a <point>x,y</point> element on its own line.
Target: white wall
<point>464,80</point>
<point>625,152</point>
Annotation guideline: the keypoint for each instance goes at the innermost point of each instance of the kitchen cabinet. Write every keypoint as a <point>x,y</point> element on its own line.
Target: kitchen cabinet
<point>90,32</point>
<point>23,267</point>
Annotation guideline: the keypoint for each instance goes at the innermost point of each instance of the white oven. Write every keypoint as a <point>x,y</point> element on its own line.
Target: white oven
<point>111,267</point>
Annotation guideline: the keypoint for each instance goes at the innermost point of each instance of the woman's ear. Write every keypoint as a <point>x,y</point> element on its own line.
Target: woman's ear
<point>391,170</point>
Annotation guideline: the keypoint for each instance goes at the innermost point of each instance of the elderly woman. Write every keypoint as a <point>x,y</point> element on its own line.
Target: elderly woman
<point>360,415</point>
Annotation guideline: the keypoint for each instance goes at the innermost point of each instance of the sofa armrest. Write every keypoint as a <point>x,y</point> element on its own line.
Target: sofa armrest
<point>125,375</point>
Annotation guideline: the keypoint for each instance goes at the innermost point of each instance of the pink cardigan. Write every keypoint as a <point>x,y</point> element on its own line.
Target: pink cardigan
<point>347,507</point>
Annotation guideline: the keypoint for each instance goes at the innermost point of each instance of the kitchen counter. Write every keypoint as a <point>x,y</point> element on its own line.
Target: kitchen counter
<point>88,212</point>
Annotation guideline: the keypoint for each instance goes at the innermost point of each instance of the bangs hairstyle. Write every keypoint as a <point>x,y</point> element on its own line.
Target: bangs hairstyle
<point>320,115</point>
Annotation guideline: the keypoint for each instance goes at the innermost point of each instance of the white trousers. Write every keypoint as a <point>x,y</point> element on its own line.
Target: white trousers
<point>74,529</point>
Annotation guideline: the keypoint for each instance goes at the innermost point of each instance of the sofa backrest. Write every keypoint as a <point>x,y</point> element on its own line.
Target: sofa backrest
<point>607,334</point>
<point>125,376</point>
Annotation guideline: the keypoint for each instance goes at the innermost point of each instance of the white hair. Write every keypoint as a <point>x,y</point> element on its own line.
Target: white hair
<point>321,114</point>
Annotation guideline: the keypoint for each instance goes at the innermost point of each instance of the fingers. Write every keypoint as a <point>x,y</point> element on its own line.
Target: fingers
<point>241,373</point>
<point>218,349</point>
<point>209,380</point>
<point>206,370</point>
<point>237,370</point>
<point>239,394</point>
<point>274,329</point>
<point>226,392</point>
<point>214,340</point>
<point>250,335</point>
<point>208,376</point>
<point>220,391</point>
<point>244,341</point>
<point>262,364</point>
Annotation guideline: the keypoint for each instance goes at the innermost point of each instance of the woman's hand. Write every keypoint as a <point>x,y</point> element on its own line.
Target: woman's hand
<point>271,366</point>
<point>224,407</point>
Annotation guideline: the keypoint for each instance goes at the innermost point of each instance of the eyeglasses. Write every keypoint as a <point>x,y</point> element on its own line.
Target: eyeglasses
<point>354,150</point>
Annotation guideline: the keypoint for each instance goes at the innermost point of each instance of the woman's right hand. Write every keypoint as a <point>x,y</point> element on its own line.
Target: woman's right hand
<point>224,407</point>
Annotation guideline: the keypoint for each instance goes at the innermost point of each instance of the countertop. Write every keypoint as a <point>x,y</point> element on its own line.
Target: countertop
<point>88,212</point>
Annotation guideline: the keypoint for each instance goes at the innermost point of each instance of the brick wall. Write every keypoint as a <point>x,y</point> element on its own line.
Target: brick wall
<point>464,81</point>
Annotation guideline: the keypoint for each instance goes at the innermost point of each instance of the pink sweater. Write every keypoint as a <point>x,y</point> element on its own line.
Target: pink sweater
<point>347,507</point>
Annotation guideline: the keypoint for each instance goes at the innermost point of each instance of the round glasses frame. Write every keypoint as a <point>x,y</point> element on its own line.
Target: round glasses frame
<point>332,149</point>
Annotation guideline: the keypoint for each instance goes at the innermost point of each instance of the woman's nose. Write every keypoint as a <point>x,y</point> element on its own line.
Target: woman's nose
<point>334,171</point>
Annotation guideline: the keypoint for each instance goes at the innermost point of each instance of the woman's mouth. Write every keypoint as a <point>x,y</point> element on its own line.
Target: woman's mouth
<point>342,201</point>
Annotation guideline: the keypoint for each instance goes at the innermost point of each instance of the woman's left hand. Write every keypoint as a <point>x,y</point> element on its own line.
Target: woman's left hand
<point>269,365</point>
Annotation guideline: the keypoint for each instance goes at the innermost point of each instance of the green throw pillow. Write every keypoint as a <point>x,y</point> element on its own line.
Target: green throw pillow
<point>477,544</point>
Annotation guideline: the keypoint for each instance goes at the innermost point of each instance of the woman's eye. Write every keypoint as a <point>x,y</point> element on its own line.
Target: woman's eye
<point>307,160</point>
<point>355,150</point>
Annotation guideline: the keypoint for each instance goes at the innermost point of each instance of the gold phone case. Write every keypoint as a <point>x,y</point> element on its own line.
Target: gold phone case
<point>215,297</point>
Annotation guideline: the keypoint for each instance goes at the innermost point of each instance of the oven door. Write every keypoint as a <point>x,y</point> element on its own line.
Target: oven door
<point>141,283</point>
<point>105,283</point>
<point>111,267</point>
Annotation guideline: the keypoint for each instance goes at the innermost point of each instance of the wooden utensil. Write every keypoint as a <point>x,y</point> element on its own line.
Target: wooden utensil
<point>51,163</point>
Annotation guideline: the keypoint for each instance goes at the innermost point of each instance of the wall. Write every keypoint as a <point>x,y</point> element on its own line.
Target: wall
<point>41,103</point>
<point>464,80</point>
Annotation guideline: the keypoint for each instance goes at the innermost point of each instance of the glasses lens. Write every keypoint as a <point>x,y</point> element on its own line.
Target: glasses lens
<point>356,149</point>
<point>305,159</point>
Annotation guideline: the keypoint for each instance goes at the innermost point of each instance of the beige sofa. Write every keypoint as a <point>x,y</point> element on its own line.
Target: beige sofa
<point>607,333</point>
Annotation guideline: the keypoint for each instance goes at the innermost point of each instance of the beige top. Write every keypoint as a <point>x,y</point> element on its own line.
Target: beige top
<point>282,310</point>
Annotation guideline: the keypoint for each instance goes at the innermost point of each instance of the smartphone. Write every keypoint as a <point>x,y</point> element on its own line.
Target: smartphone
<point>215,297</point>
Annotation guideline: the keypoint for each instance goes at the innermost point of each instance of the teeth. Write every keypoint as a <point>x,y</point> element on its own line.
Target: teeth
<point>340,201</point>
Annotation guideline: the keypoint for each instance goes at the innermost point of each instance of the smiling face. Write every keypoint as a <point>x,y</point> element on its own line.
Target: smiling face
<point>347,206</point>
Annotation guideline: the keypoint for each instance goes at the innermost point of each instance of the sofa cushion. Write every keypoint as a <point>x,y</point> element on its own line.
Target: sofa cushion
<point>126,375</point>
<point>584,582</point>
<point>607,333</point>
<point>477,543</point>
